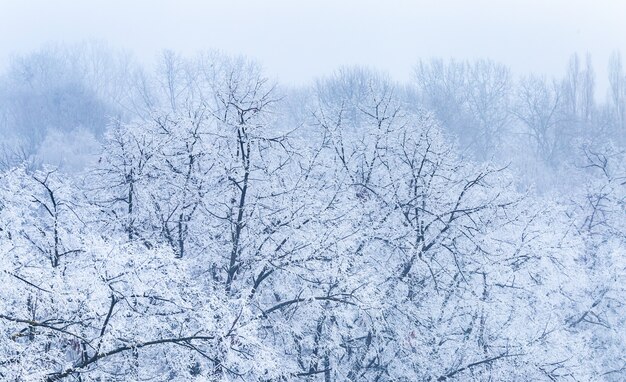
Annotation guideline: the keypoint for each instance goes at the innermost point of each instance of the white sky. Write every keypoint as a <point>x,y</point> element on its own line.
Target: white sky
<point>301,39</point>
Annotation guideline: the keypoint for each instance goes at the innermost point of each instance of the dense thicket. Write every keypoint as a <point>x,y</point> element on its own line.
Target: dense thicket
<point>356,230</point>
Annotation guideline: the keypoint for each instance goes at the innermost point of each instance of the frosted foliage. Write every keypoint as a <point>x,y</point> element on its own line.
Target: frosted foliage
<point>210,242</point>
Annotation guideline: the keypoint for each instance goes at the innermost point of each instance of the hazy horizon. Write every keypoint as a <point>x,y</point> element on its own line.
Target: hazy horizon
<point>297,42</point>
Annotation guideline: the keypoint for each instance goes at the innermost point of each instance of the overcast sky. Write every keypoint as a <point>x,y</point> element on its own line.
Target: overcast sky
<point>301,39</point>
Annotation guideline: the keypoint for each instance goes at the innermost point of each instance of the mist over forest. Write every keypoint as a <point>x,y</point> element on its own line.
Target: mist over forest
<point>59,101</point>
<point>192,218</point>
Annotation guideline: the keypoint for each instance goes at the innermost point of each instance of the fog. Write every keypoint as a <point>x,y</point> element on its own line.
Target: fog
<point>312,191</point>
<point>299,40</point>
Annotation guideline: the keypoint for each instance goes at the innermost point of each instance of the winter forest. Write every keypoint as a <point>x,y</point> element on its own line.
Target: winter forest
<point>193,219</point>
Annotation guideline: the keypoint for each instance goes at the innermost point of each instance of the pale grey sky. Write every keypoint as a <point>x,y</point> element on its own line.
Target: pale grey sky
<point>301,39</point>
